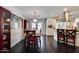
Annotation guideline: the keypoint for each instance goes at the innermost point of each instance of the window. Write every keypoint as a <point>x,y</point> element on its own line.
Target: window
<point>33,25</point>
<point>39,26</point>
<point>16,25</point>
<point>61,25</point>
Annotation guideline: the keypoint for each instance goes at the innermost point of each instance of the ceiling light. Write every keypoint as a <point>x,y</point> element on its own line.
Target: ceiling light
<point>35,17</point>
<point>34,20</point>
<point>66,14</point>
<point>8,20</point>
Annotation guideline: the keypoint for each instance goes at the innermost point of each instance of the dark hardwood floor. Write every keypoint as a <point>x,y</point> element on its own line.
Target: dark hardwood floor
<point>48,45</point>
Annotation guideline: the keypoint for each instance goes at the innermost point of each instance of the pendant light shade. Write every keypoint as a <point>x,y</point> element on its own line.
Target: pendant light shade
<point>34,20</point>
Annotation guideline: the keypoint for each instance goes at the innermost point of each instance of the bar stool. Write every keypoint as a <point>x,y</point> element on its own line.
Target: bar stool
<point>61,36</point>
<point>70,37</point>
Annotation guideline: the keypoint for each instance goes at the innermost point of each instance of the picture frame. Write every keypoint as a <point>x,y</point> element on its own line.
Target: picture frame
<point>50,26</point>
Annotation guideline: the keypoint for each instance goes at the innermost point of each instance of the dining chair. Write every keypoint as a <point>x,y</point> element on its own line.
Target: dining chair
<point>70,37</point>
<point>31,39</point>
<point>61,36</point>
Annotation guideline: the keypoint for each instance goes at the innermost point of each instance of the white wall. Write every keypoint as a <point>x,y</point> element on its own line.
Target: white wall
<point>16,34</point>
<point>50,21</point>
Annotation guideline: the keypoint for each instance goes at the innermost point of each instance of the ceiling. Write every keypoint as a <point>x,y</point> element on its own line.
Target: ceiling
<point>45,11</point>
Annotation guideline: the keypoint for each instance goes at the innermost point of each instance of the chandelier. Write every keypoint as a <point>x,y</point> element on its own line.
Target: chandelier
<point>34,17</point>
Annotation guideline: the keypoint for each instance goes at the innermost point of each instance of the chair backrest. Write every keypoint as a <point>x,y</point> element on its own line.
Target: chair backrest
<point>61,35</point>
<point>71,33</point>
<point>31,36</point>
<point>70,37</point>
<point>30,33</point>
<point>60,32</point>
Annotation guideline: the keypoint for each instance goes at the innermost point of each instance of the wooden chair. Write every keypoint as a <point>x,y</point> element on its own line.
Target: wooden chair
<point>61,36</point>
<point>70,37</point>
<point>31,38</point>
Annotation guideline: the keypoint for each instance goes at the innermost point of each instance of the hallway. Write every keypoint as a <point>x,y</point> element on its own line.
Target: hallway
<point>48,45</point>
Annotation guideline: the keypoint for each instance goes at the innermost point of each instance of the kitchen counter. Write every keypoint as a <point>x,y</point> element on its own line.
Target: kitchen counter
<point>77,39</point>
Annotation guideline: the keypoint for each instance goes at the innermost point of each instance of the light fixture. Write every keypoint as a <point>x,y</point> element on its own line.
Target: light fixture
<point>8,20</point>
<point>66,14</point>
<point>35,17</point>
<point>34,20</point>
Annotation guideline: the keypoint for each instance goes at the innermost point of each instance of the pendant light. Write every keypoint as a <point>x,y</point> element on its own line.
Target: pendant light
<point>35,17</point>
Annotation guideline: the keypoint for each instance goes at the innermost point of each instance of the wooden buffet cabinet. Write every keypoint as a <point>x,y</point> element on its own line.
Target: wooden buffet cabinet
<point>5,32</point>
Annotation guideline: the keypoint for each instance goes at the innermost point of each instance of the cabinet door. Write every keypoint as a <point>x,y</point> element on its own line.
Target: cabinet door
<point>1,29</point>
<point>6,32</point>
